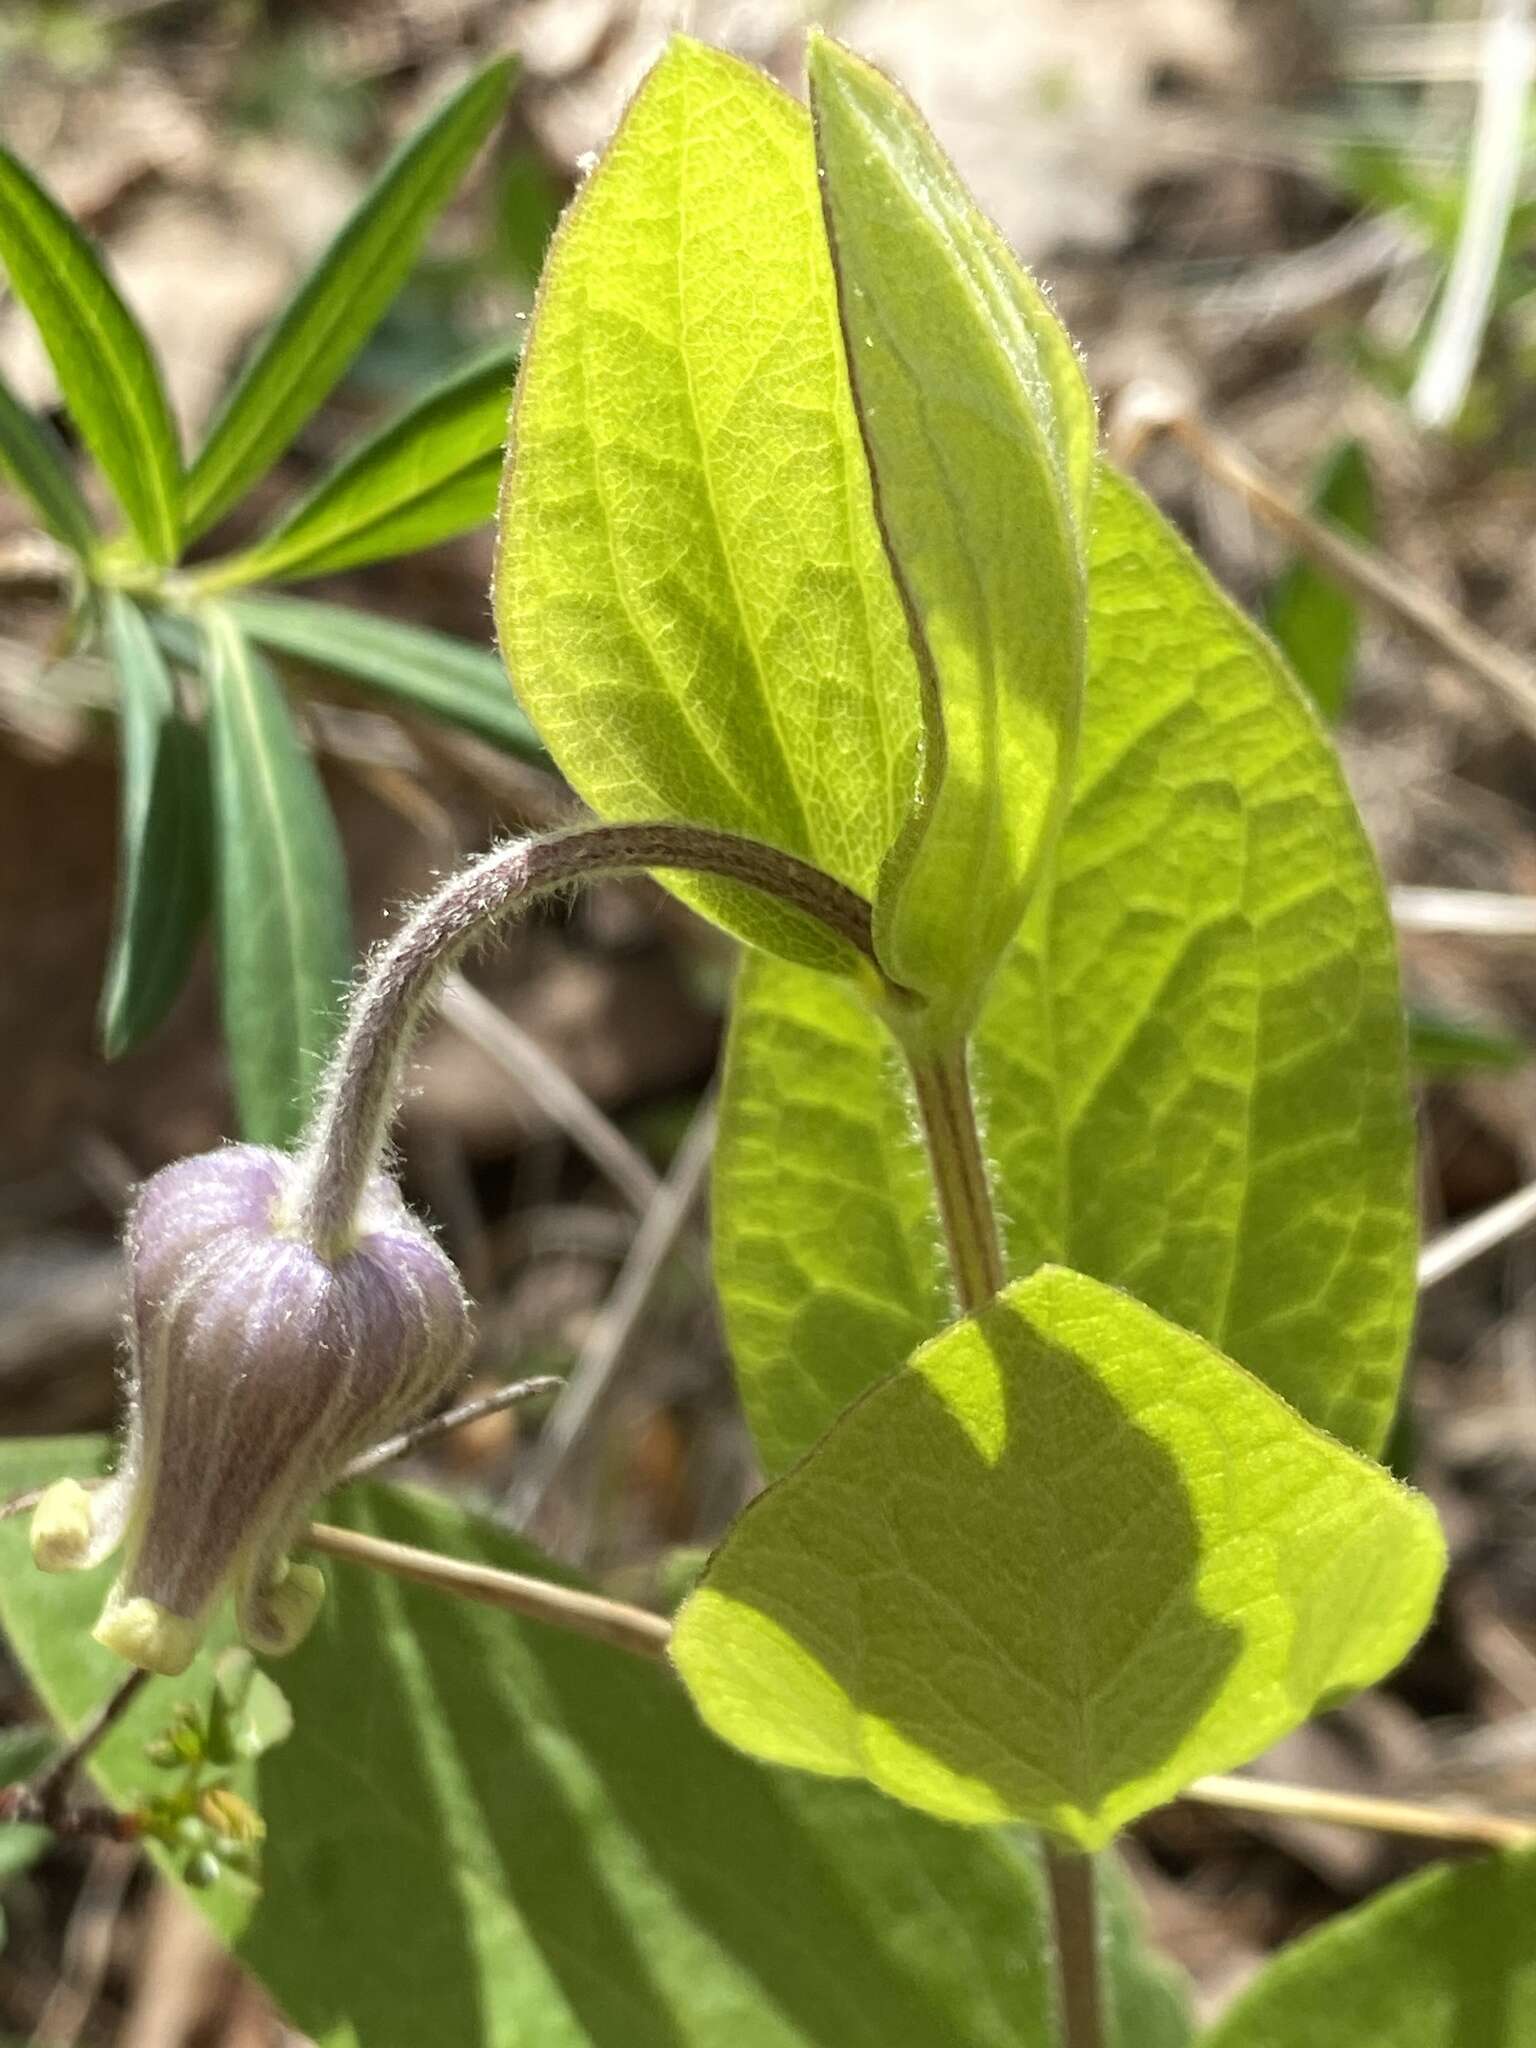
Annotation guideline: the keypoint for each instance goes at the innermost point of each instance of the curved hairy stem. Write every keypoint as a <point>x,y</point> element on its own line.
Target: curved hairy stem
<point>345,1141</point>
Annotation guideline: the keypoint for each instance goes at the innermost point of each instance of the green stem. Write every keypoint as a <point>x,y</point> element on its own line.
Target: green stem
<point>948,1116</point>
<point>1074,1922</point>
<point>947,1112</point>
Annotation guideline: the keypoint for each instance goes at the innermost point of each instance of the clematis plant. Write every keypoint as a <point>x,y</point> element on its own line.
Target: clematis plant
<point>1063,1208</point>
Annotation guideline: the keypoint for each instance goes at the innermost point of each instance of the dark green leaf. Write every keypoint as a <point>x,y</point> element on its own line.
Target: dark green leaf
<point>1149,1996</point>
<point>24,1751</point>
<point>284,948</point>
<point>1445,1960</point>
<point>418,669</point>
<point>37,462</point>
<point>486,1832</point>
<point>429,474</point>
<point>1067,1561</point>
<point>335,309</point>
<point>166,853</point>
<point>1316,624</point>
<point>106,370</point>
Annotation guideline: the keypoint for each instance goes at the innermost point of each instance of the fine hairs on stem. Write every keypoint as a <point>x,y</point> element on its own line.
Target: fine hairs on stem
<point>346,1139</point>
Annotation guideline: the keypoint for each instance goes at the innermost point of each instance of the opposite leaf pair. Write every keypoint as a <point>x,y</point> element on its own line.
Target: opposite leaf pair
<point>803,537</point>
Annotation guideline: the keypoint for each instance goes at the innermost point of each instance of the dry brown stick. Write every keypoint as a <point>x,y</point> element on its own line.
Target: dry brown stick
<point>519,1055</point>
<point>586,1614</point>
<point>1360,1810</point>
<point>1362,570</point>
<point>44,1800</point>
<point>435,1426</point>
<point>87,1947</point>
<point>616,1322</point>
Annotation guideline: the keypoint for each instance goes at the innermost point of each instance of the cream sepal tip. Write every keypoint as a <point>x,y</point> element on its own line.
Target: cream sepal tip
<point>62,1528</point>
<point>142,1632</point>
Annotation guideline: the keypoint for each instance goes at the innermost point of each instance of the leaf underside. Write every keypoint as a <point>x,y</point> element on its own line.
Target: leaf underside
<point>979,430</point>
<point>691,594</point>
<point>1190,1065</point>
<point>411,666</point>
<point>1066,1562</point>
<point>165,848</point>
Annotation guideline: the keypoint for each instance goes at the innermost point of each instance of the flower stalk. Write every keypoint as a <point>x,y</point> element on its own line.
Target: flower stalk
<point>288,1312</point>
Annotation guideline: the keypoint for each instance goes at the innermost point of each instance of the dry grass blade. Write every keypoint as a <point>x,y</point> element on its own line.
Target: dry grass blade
<point>1464,1242</point>
<point>1493,180</point>
<point>1464,913</point>
<point>1367,574</point>
<point>587,1614</point>
<point>521,1057</point>
<point>1355,1810</point>
<point>615,1324</point>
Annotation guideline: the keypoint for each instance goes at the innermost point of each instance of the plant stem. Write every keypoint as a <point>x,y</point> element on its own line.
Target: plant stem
<point>44,1799</point>
<point>948,1116</point>
<point>947,1112</point>
<point>1074,1918</point>
<point>342,1149</point>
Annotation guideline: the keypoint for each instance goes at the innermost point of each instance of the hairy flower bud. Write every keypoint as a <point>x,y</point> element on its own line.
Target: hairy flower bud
<point>259,1369</point>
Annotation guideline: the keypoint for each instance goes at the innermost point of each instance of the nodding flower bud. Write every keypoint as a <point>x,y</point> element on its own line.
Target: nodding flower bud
<point>259,1368</point>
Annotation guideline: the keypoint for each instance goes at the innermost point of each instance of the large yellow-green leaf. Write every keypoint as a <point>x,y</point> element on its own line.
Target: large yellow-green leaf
<point>979,429</point>
<point>485,1833</point>
<point>1445,1960</point>
<point>1067,1561</point>
<point>1190,1063</point>
<point>691,593</point>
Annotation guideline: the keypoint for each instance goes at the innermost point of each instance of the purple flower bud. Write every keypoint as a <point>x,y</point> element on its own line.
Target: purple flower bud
<point>259,1369</point>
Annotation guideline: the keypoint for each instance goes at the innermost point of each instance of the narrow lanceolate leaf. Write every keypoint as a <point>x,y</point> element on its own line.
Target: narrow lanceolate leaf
<point>37,462</point>
<point>1190,1064</point>
<point>979,429</point>
<point>1316,625</point>
<point>339,303</point>
<point>691,593</point>
<point>107,372</point>
<point>411,666</point>
<point>429,474</point>
<point>284,947</point>
<point>512,1835</point>
<point>1444,1960</point>
<point>165,857</point>
<point>1068,1560</point>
